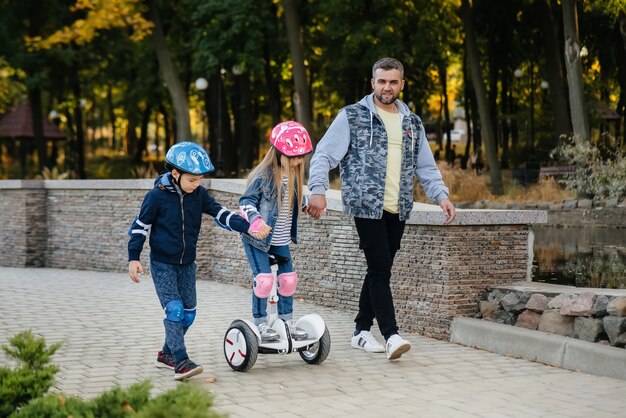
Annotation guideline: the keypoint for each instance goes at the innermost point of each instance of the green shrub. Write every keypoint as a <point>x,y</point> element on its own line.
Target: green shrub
<point>598,173</point>
<point>22,391</point>
<point>32,377</point>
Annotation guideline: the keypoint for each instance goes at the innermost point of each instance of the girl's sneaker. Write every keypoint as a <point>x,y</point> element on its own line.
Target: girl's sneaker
<point>165,361</point>
<point>267,333</point>
<point>186,368</point>
<point>297,333</point>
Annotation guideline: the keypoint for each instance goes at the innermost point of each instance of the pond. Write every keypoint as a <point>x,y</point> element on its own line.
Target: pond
<point>580,256</point>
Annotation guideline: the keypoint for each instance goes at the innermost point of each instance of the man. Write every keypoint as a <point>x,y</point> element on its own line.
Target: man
<point>379,145</point>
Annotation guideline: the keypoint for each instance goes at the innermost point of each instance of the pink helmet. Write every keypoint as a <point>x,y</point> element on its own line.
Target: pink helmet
<point>291,139</point>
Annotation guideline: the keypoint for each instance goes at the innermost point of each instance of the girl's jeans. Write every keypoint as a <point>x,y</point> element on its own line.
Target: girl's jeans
<point>175,282</point>
<point>260,263</point>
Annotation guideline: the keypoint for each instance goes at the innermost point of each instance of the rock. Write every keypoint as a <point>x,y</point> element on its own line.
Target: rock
<point>503,317</point>
<point>487,308</point>
<point>514,302</point>
<point>588,329</point>
<point>528,319</point>
<point>558,300</point>
<point>579,305</point>
<point>538,302</point>
<point>599,307</point>
<point>570,204</point>
<point>496,296</point>
<point>585,203</point>
<point>551,321</point>
<point>612,203</point>
<point>617,306</point>
<point>615,328</point>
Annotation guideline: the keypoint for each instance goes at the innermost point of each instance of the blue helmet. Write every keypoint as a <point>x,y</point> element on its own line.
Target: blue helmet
<point>188,157</point>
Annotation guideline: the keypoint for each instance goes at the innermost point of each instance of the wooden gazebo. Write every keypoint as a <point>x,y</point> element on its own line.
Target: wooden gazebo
<point>17,126</point>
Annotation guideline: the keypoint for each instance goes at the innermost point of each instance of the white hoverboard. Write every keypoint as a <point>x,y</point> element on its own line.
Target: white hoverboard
<point>242,342</point>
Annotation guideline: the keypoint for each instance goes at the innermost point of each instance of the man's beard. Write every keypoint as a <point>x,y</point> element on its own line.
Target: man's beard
<point>386,101</point>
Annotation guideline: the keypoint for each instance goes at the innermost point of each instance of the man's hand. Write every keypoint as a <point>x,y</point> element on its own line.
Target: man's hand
<point>448,210</point>
<point>317,205</point>
<point>134,269</point>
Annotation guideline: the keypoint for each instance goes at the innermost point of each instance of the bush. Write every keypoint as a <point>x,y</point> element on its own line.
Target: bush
<point>599,173</point>
<point>22,391</point>
<point>33,376</point>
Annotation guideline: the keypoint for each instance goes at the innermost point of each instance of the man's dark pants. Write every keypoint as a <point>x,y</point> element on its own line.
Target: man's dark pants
<point>379,240</point>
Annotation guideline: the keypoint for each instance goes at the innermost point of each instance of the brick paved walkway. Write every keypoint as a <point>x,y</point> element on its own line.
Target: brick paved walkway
<point>111,329</point>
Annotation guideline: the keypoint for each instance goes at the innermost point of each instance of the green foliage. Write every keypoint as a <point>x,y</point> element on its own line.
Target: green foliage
<point>595,175</point>
<point>186,401</point>
<point>33,376</point>
<point>22,391</point>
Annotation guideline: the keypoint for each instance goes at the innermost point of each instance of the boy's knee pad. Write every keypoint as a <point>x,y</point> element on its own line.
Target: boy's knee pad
<point>174,311</point>
<point>287,283</point>
<point>263,284</point>
<point>190,315</point>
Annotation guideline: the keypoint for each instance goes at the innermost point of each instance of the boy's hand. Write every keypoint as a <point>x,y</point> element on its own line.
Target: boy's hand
<point>259,229</point>
<point>448,210</point>
<point>134,269</point>
<point>317,206</point>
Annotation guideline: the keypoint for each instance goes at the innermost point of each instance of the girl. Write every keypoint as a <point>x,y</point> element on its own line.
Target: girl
<point>271,204</point>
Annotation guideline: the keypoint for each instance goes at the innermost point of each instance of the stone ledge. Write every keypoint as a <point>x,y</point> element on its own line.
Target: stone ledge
<point>422,214</point>
<point>551,349</point>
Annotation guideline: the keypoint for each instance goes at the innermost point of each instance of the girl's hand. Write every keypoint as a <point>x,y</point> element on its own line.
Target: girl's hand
<point>259,229</point>
<point>134,270</point>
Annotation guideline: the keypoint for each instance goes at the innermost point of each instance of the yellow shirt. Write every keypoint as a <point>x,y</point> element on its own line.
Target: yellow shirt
<point>393,126</point>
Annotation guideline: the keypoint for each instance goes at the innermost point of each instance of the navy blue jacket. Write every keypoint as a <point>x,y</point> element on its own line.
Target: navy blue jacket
<point>172,219</point>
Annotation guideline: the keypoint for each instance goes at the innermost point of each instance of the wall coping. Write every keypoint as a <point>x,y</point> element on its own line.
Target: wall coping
<point>422,213</point>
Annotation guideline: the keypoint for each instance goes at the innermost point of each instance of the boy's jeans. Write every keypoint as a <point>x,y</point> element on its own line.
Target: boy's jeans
<point>260,263</point>
<point>174,282</point>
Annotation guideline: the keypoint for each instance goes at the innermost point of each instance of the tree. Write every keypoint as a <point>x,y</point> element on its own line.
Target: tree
<point>301,98</point>
<point>488,137</point>
<point>579,116</point>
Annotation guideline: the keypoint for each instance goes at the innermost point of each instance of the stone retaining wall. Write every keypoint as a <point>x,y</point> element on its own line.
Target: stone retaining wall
<point>439,272</point>
<point>595,315</point>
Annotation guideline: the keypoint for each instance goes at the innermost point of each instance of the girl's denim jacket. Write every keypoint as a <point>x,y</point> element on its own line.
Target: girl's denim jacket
<point>260,200</point>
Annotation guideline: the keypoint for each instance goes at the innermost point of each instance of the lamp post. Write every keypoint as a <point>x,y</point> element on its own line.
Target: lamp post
<point>201,84</point>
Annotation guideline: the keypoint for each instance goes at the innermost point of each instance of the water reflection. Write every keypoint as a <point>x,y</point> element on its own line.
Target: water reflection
<point>580,256</point>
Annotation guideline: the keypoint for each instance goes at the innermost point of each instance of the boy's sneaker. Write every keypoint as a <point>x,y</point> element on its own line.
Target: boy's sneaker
<point>165,361</point>
<point>365,340</point>
<point>396,346</point>
<point>267,334</point>
<point>296,332</point>
<point>185,369</point>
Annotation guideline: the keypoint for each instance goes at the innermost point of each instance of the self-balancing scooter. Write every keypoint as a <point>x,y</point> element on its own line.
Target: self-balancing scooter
<point>242,342</point>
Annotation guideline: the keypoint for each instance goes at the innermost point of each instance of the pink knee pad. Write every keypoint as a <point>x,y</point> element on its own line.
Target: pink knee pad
<point>263,284</point>
<point>287,283</point>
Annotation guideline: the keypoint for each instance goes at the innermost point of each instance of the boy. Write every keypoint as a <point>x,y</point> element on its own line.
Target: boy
<point>171,214</point>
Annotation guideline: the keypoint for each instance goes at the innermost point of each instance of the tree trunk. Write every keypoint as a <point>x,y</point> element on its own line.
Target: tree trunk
<point>34,97</point>
<point>142,145</point>
<point>504,138</point>
<point>78,123</point>
<point>112,118</point>
<point>443,78</point>
<point>488,137</point>
<point>554,69</point>
<point>620,58</point>
<point>220,136</point>
<point>244,122</point>
<point>301,99</point>
<point>579,116</point>
<point>171,78</point>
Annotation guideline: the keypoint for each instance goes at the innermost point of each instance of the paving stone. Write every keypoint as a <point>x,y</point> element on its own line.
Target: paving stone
<point>435,378</point>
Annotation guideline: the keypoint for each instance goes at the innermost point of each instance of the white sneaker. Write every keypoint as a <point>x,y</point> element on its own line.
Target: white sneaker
<point>267,333</point>
<point>365,340</point>
<point>396,346</point>
<point>297,333</point>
